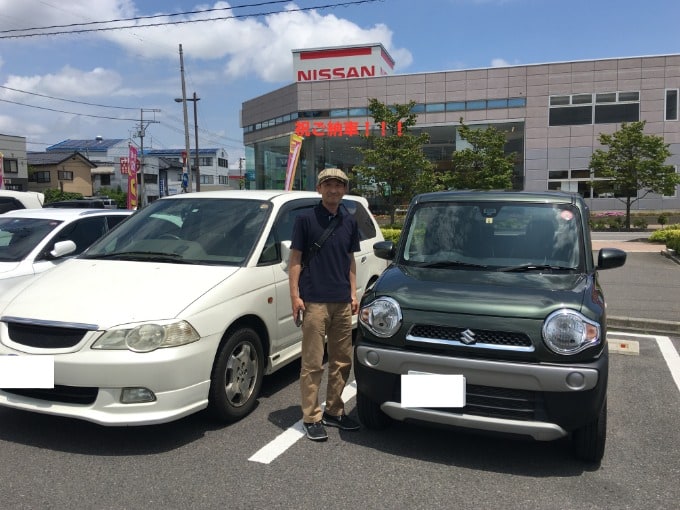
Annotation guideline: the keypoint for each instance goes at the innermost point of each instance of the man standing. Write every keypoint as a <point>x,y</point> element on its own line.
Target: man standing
<point>322,278</point>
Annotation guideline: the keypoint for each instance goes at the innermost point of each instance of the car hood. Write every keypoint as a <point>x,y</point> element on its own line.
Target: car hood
<point>492,293</point>
<point>6,269</point>
<point>108,293</point>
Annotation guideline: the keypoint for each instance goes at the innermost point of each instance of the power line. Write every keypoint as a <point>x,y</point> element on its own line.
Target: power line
<point>67,100</point>
<point>68,113</point>
<point>137,18</point>
<point>182,22</point>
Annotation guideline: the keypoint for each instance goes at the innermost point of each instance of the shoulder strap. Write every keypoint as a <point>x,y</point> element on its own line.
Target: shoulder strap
<point>315,247</point>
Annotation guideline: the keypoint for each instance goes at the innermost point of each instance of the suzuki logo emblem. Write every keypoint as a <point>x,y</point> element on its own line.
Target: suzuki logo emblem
<point>467,337</point>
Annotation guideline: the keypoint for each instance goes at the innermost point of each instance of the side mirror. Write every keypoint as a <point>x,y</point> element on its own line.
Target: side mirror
<point>63,248</point>
<point>384,250</point>
<point>609,258</point>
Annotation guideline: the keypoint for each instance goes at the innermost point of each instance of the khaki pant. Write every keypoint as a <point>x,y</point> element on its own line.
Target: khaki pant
<point>334,321</point>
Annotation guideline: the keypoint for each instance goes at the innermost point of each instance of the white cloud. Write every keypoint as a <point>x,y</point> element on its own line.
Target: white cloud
<point>69,82</point>
<point>252,47</point>
<point>501,62</point>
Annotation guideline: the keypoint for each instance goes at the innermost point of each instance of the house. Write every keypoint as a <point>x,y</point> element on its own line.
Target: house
<point>68,172</point>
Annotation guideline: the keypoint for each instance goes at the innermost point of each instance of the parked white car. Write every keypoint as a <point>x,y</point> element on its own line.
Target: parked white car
<point>35,240</point>
<point>11,200</point>
<point>196,310</point>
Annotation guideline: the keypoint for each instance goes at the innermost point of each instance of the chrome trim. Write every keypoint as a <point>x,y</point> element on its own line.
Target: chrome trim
<point>457,343</point>
<point>501,374</point>
<point>46,323</point>
<point>539,430</point>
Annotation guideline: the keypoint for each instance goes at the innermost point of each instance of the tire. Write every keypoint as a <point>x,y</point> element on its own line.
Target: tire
<point>589,440</point>
<point>370,414</point>
<point>236,377</point>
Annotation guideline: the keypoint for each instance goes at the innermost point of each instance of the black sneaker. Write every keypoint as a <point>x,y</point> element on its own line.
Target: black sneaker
<point>343,422</point>
<point>315,431</point>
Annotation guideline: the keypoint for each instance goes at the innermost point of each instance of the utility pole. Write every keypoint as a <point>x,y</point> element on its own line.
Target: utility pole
<point>141,199</point>
<point>187,168</point>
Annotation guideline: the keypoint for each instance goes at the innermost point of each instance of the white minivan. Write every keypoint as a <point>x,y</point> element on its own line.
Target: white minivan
<point>196,310</point>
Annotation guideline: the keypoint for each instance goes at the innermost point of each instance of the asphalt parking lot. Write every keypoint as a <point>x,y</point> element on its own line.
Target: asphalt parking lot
<point>264,462</point>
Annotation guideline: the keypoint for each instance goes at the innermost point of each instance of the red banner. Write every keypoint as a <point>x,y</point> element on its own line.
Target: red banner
<point>132,160</point>
<point>2,171</point>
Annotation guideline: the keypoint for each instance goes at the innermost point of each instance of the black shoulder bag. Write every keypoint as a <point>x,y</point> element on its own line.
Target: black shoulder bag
<point>315,247</point>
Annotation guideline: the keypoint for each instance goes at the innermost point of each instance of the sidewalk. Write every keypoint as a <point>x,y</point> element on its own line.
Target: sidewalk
<point>644,295</point>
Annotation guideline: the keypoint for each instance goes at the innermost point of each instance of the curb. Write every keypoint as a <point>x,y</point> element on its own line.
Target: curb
<point>671,254</point>
<point>646,326</point>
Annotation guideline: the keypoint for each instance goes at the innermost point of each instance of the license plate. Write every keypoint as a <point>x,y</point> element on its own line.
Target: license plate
<point>432,390</point>
<point>26,371</point>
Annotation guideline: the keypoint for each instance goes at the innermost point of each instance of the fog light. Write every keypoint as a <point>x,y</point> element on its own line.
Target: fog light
<point>136,395</point>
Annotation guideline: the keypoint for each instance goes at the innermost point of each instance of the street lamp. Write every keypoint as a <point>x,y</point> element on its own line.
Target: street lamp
<point>197,169</point>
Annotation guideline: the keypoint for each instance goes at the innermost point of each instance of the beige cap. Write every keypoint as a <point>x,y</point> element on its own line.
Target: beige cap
<point>333,173</point>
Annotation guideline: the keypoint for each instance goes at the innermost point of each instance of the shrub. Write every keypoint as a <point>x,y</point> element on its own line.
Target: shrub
<point>662,219</point>
<point>640,223</point>
<point>664,234</point>
<point>391,234</point>
<point>673,240</point>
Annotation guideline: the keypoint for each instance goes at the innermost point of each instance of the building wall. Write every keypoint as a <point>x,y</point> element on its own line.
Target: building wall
<point>547,149</point>
<point>14,148</point>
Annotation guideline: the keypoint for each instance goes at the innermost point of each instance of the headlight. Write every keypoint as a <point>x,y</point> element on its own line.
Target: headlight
<point>148,337</point>
<point>382,317</point>
<point>569,332</point>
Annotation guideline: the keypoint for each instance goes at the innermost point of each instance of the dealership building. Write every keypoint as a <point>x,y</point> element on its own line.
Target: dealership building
<point>552,115</point>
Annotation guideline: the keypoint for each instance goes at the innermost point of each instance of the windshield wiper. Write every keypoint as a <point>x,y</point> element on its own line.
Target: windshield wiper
<point>451,263</point>
<point>152,256</point>
<point>534,267</point>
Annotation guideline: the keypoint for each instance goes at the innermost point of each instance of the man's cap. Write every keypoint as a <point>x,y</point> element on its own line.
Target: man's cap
<point>332,173</point>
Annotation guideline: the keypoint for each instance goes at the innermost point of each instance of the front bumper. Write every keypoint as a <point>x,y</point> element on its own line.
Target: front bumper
<point>555,399</point>
<point>89,384</point>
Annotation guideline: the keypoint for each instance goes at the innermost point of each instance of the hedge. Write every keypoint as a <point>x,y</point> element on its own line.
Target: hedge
<point>391,234</point>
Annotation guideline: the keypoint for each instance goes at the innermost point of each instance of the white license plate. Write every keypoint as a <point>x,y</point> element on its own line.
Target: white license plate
<point>26,371</point>
<point>432,390</point>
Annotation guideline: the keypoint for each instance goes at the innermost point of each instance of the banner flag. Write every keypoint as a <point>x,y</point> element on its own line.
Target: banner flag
<point>293,156</point>
<point>132,191</point>
<point>132,160</point>
<point>2,171</point>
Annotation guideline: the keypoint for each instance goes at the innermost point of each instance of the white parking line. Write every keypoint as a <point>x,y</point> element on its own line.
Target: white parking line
<point>668,351</point>
<point>292,434</point>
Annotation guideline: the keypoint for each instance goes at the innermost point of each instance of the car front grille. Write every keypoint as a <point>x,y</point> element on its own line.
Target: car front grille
<point>44,337</point>
<point>501,402</point>
<point>62,394</point>
<point>424,333</point>
<point>494,402</point>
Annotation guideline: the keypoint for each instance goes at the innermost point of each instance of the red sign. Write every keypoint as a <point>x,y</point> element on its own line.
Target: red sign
<point>336,128</point>
<point>336,73</point>
<point>124,166</point>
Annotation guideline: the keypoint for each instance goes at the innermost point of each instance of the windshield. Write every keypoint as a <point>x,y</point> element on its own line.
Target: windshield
<point>495,236</point>
<point>189,230</point>
<point>19,236</point>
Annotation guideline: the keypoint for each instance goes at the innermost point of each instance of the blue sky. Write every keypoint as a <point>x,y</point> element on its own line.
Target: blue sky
<point>78,86</point>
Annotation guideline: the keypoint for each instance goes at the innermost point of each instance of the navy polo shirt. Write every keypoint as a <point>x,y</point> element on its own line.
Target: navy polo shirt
<point>325,279</point>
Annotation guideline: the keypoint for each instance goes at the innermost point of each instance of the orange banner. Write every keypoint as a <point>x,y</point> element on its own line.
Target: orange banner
<point>132,191</point>
<point>293,156</point>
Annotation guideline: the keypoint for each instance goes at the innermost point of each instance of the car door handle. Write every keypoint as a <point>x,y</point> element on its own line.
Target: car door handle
<point>363,259</point>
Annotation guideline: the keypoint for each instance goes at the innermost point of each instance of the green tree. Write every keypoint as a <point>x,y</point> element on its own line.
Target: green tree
<point>634,164</point>
<point>118,195</point>
<point>395,162</point>
<point>483,165</point>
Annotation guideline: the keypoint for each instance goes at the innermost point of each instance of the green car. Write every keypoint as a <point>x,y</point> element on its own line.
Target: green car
<point>490,317</point>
